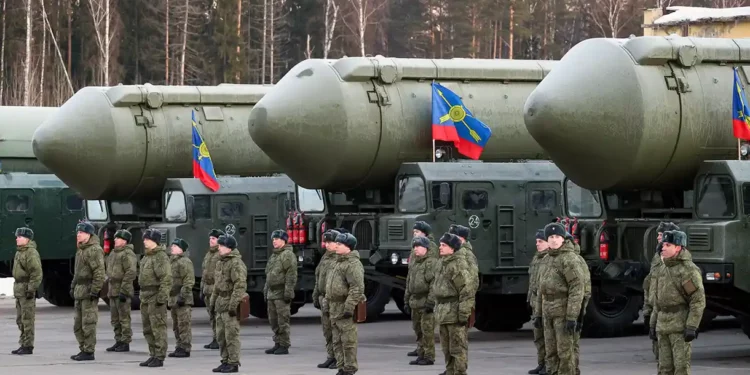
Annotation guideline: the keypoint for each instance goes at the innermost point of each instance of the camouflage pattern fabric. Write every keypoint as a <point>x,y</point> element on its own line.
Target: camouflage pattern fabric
<point>325,320</point>
<point>419,282</point>
<point>88,279</point>
<point>584,271</point>
<point>84,323</point>
<point>467,252</point>
<point>122,269</point>
<point>452,291</point>
<point>321,274</point>
<point>278,317</point>
<point>155,279</point>
<point>228,336</point>
<point>155,328</point>
<point>423,324</point>
<point>535,268</point>
<point>539,343</point>
<point>27,275</point>
<point>345,344</point>
<point>230,285</point>
<point>183,280</point>
<point>25,316</point>
<point>207,283</point>
<point>345,287</point>
<point>558,343</point>
<point>434,248</point>
<point>181,326</point>
<point>455,343</point>
<point>674,354</point>
<point>648,306</point>
<point>119,313</point>
<point>281,274</point>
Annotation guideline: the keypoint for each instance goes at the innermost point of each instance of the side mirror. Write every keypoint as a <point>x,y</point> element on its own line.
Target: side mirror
<point>445,193</point>
<point>189,209</point>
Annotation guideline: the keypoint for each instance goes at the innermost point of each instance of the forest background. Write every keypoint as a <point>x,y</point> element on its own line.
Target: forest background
<point>51,48</point>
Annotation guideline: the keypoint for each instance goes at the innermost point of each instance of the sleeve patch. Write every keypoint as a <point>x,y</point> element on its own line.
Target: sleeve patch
<point>689,287</point>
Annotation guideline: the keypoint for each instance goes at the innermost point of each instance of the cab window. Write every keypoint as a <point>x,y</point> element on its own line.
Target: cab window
<point>310,200</point>
<point>74,203</point>
<point>230,210</point>
<point>475,200</point>
<point>715,197</point>
<point>543,200</point>
<point>174,206</point>
<point>582,202</point>
<point>201,207</point>
<point>411,194</point>
<point>96,210</point>
<point>17,203</point>
<point>436,204</point>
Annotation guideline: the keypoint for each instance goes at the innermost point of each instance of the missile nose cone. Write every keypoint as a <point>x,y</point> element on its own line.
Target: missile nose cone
<point>76,144</point>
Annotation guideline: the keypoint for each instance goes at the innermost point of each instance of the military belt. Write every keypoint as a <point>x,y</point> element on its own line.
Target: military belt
<point>150,288</point>
<point>447,299</point>
<point>224,294</point>
<point>336,299</point>
<point>22,279</point>
<point>672,309</point>
<point>84,280</point>
<point>113,280</point>
<point>555,296</point>
<point>420,295</point>
<point>175,290</point>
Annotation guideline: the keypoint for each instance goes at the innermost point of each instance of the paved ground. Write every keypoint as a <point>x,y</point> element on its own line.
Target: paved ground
<point>382,349</point>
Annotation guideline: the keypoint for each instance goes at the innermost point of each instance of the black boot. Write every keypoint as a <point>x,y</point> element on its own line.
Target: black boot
<point>19,349</point>
<point>114,347</point>
<point>281,350</point>
<point>272,350</point>
<point>543,371</point>
<point>536,370</point>
<point>124,347</point>
<point>73,357</point>
<point>221,367</point>
<point>333,365</point>
<point>212,345</point>
<point>146,362</point>
<point>156,362</point>
<point>180,353</point>
<point>327,363</point>
<point>174,353</point>
<point>25,350</point>
<point>425,362</point>
<point>443,373</point>
<point>230,368</point>
<point>415,362</point>
<point>84,357</point>
<point>413,354</point>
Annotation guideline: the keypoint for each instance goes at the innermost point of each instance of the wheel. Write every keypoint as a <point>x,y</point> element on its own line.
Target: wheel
<point>398,297</point>
<point>294,308</point>
<point>610,315</point>
<point>197,302</point>
<point>258,307</point>
<point>500,314</point>
<point>135,302</point>
<point>57,292</point>
<point>708,317</point>
<point>745,322</point>
<point>378,295</point>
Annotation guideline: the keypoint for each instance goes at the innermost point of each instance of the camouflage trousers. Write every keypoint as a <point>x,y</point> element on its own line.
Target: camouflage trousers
<point>181,326</point>
<point>655,349</point>
<point>119,316</point>
<point>155,328</point>
<point>674,354</point>
<point>25,316</point>
<point>559,345</point>
<point>211,315</point>
<point>278,316</point>
<point>455,343</point>
<point>325,320</point>
<point>345,344</point>
<point>228,336</point>
<point>84,323</point>
<point>539,343</point>
<point>424,327</point>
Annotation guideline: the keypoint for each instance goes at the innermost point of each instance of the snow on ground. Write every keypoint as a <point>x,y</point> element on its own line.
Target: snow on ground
<point>692,14</point>
<point>6,287</point>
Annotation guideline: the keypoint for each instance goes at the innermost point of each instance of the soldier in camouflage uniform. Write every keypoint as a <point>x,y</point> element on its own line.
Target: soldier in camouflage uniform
<point>648,306</point>
<point>229,288</point>
<point>535,270</point>
<point>584,270</point>
<point>319,292</point>
<point>155,280</point>
<point>467,252</point>
<point>88,281</point>
<point>678,299</point>
<point>560,297</point>
<point>122,268</point>
<point>419,282</point>
<point>345,288</point>
<point>207,280</point>
<point>181,298</point>
<point>420,229</point>
<point>281,277</point>
<point>453,295</point>
<point>27,273</point>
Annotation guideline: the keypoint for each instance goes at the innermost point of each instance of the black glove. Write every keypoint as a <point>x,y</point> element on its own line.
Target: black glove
<point>348,315</point>
<point>94,296</point>
<point>180,301</point>
<point>690,334</point>
<point>123,298</point>
<point>160,304</point>
<point>232,313</point>
<point>570,326</point>
<point>316,303</point>
<point>72,295</point>
<point>30,295</point>
<point>538,323</point>
<point>202,296</point>
<point>429,310</point>
<point>287,300</point>
<point>647,321</point>
<point>652,333</point>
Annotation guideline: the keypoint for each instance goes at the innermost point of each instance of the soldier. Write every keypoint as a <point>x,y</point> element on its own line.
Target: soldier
<point>207,280</point>
<point>27,273</point>
<point>648,306</point>
<point>454,297</point>
<point>535,271</point>
<point>155,279</point>
<point>584,270</point>
<point>88,280</point>
<point>319,293</point>
<point>229,288</point>
<point>679,300</point>
<point>281,277</point>
<point>560,297</point>
<point>345,287</point>
<point>417,295</point>
<point>181,297</point>
<point>467,252</point>
<point>122,268</point>
<point>420,229</point>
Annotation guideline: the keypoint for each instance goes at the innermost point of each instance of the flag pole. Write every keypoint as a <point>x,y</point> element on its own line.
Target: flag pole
<point>739,150</point>
<point>433,135</point>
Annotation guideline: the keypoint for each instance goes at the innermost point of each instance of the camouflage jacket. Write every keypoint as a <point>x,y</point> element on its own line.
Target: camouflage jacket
<point>321,274</point>
<point>534,273</point>
<point>27,270</point>
<point>561,285</point>
<point>155,277</point>
<point>281,274</point>
<point>467,252</point>
<point>209,269</point>
<point>122,268</point>
<point>89,270</point>
<point>648,305</point>
<point>231,282</point>
<point>677,294</point>
<point>420,278</point>
<point>345,284</point>
<point>452,290</point>
<point>584,269</point>
<point>434,248</point>
<point>183,279</point>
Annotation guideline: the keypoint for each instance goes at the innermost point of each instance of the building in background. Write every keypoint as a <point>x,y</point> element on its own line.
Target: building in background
<point>698,22</point>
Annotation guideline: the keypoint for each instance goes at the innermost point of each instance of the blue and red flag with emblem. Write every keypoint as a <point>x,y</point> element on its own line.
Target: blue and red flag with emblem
<point>740,110</point>
<point>203,168</point>
<point>453,122</point>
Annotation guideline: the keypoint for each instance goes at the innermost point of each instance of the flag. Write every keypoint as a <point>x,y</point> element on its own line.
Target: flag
<point>740,110</point>
<point>453,122</point>
<point>203,168</point>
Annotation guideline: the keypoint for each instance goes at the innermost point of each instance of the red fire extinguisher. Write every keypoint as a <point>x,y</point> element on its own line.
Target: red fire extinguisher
<point>603,244</point>
<point>106,246</point>
<point>302,231</point>
<point>574,230</point>
<point>289,227</point>
<point>295,228</point>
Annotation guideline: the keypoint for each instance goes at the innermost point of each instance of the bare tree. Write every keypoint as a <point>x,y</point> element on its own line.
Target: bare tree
<point>27,60</point>
<point>265,43</point>
<point>166,43</point>
<point>271,74</point>
<point>728,3</point>
<point>100,14</point>
<point>184,42</point>
<point>44,60</point>
<point>239,38</point>
<point>330,23</point>
<point>2,58</point>
<point>364,9</point>
<point>57,47</point>
<point>308,50</point>
<point>610,16</point>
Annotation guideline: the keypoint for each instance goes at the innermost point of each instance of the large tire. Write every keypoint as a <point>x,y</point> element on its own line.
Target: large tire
<point>57,292</point>
<point>197,302</point>
<point>294,308</point>
<point>258,306</point>
<point>745,323</point>
<point>708,317</point>
<point>398,297</point>
<point>378,295</point>
<point>611,315</point>
<point>500,314</point>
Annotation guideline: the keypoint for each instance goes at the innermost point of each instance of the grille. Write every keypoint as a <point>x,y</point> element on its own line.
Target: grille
<point>364,233</point>
<point>699,238</point>
<point>396,230</point>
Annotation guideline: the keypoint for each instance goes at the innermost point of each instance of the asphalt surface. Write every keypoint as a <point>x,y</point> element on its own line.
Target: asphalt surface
<point>382,348</point>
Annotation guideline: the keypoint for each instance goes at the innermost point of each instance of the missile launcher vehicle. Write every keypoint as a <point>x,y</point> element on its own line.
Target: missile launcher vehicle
<point>647,123</point>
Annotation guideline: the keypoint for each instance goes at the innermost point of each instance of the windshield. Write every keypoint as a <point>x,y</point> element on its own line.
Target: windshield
<point>310,200</point>
<point>582,202</point>
<point>174,206</point>
<point>411,194</point>
<point>715,197</point>
<point>96,210</point>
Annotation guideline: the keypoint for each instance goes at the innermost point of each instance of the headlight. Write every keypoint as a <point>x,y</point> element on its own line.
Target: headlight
<point>394,258</point>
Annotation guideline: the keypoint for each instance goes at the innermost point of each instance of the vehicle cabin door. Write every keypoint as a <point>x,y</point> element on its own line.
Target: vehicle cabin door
<point>543,206</point>
<point>233,215</point>
<point>17,211</point>
<point>476,210</point>
<point>71,212</point>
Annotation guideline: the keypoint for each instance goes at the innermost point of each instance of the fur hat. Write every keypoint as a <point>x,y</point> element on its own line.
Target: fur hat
<point>665,226</point>
<point>460,230</point>
<point>182,244</point>
<point>420,241</point>
<point>124,234</point>
<point>153,235</point>
<point>347,239</point>
<point>540,235</point>
<point>216,233</point>
<point>330,235</point>
<point>675,237</point>
<point>228,241</point>
<point>86,227</point>
<point>341,230</point>
<point>423,227</point>
<point>451,240</point>
<point>554,229</point>
<point>281,234</point>
<point>25,232</point>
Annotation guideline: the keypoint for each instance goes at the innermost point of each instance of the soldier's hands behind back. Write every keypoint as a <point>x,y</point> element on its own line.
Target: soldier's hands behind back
<point>538,322</point>
<point>180,301</point>
<point>652,333</point>
<point>316,303</point>
<point>94,296</point>
<point>72,295</point>
<point>287,300</point>
<point>690,334</point>
<point>122,297</point>
<point>646,320</point>
<point>30,295</point>
<point>570,326</point>
<point>202,296</point>
<point>348,315</point>
<point>232,313</point>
